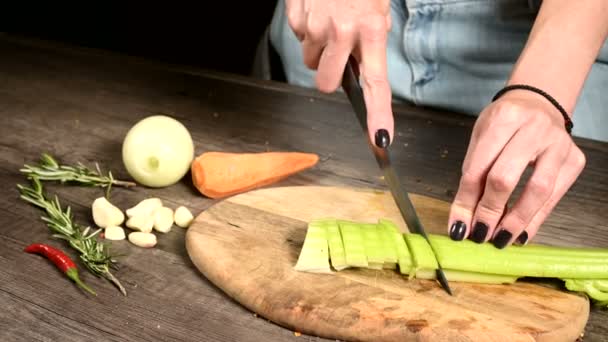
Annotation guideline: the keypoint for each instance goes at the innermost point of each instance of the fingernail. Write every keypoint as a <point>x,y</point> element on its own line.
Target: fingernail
<point>480,230</point>
<point>382,138</point>
<point>523,237</point>
<point>502,238</point>
<point>457,230</point>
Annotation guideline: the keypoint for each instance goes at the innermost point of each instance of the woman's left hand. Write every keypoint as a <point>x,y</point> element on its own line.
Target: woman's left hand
<point>518,130</point>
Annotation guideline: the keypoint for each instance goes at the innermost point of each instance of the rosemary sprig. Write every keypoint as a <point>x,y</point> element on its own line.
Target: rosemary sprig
<point>95,255</point>
<point>50,170</point>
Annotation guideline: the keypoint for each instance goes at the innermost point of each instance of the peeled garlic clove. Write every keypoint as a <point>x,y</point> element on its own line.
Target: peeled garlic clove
<point>143,223</point>
<point>183,217</point>
<point>114,233</point>
<point>163,219</point>
<point>141,239</point>
<point>145,207</point>
<point>105,214</point>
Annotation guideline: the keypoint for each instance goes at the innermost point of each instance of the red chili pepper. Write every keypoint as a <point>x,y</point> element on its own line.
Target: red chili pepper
<point>61,260</point>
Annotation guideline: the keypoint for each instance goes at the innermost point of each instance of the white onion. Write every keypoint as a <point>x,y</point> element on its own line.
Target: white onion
<point>158,151</point>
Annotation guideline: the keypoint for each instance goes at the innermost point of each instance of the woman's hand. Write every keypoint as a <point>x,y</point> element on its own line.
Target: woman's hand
<point>518,130</point>
<point>332,30</point>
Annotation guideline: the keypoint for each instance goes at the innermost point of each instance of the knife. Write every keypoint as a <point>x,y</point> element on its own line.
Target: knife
<point>353,91</point>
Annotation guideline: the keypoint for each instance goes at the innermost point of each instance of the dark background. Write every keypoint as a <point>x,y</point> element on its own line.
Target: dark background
<point>214,35</point>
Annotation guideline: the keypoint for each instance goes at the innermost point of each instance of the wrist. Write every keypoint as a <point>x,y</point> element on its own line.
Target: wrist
<point>550,104</point>
<point>561,96</point>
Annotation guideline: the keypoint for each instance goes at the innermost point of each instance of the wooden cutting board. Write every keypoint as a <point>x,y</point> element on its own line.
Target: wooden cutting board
<point>247,245</point>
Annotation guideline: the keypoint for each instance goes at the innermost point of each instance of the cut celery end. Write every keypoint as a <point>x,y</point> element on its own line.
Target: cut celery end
<point>467,277</point>
<point>375,266</point>
<point>314,256</point>
<point>354,248</point>
<point>404,258</point>
<point>390,266</point>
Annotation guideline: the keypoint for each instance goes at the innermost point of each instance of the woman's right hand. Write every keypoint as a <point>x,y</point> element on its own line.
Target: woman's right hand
<point>332,30</point>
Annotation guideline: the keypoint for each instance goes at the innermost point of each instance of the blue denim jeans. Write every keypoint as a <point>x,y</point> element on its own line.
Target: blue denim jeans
<point>455,55</point>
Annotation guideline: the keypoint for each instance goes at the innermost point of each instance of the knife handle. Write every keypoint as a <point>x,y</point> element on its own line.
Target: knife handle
<point>354,65</point>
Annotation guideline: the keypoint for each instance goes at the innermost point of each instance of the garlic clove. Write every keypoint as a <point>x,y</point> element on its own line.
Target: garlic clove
<point>105,214</point>
<point>114,233</point>
<point>141,239</point>
<point>143,223</point>
<point>163,219</point>
<point>145,207</point>
<point>183,217</point>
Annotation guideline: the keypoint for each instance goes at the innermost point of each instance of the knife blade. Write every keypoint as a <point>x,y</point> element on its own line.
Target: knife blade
<point>353,91</point>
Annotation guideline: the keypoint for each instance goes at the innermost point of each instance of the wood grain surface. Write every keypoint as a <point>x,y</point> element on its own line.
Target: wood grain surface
<point>78,104</point>
<point>248,245</point>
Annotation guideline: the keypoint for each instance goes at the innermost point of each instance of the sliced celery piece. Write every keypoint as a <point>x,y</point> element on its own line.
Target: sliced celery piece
<point>334,241</point>
<point>388,247</point>
<point>372,241</point>
<point>422,254</point>
<point>467,277</point>
<point>354,248</point>
<point>314,256</point>
<point>404,258</point>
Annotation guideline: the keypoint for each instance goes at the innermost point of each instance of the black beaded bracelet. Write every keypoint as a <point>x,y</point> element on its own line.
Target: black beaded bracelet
<point>554,102</point>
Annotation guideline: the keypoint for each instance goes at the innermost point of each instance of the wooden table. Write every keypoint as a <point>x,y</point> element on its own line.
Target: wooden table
<point>78,105</point>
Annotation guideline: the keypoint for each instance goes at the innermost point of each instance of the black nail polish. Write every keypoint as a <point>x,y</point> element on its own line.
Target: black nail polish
<point>523,237</point>
<point>457,230</point>
<point>480,230</point>
<point>382,138</point>
<point>502,238</point>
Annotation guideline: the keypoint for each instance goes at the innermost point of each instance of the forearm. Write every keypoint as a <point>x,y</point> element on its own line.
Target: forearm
<point>562,46</point>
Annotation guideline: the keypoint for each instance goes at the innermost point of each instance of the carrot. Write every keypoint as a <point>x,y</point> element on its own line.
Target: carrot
<point>222,174</point>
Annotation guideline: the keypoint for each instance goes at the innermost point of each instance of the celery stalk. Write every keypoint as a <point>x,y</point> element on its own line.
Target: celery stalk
<point>601,285</point>
<point>382,245</point>
<point>529,261</point>
<point>314,256</point>
<point>587,286</point>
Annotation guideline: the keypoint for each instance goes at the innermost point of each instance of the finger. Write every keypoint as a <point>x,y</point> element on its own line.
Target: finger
<point>315,39</point>
<point>334,57</point>
<point>536,193</point>
<point>573,166</point>
<point>296,17</point>
<point>501,180</point>
<point>485,145</point>
<point>374,76</point>
<point>311,52</point>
